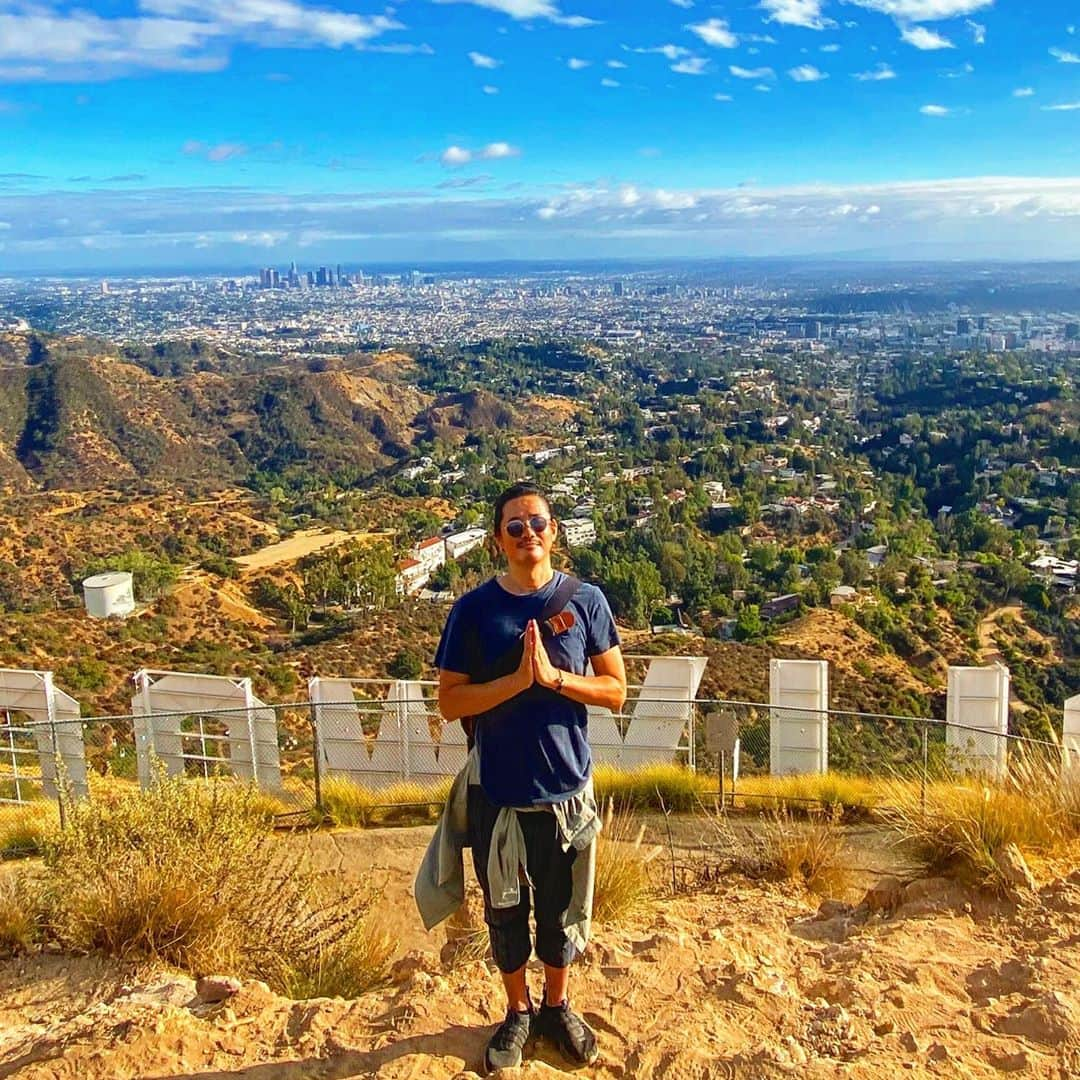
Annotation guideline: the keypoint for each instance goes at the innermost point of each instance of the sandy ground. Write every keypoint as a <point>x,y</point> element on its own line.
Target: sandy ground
<point>750,980</point>
<point>300,544</point>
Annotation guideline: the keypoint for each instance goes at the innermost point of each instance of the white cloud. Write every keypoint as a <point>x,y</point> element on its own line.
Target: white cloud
<point>978,31</point>
<point>685,4</point>
<point>763,88</point>
<point>924,39</point>
<point>715,32</point>
<point>526,10</point>
<point>934,110</point>
<point>453,156</point>
<point>752,73</point>
<point>924,10</point>
<point>492,90</point>
<point>40,43</point>
<point>1070,106</point>
<point>960,72</point>
<point>879,74</point>
<point>832,47</point>
<point>805,73</point>
<point>1013,217</point>
<point>1064,56</point>
<point>577,64</point>
<point>722,97</point>
<point>1023,91</point>
<point>616,65</point>
<point>217,153</point>
<point>669,52</point>
<point>806,13</point>
<point>496,150</point>
<point>691,65</point>
<point>611,84</point>
<point>296,22</point>
<point>481,60</point>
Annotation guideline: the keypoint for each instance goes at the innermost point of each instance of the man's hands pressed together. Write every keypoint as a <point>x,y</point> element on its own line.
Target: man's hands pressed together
<point>536,665</point>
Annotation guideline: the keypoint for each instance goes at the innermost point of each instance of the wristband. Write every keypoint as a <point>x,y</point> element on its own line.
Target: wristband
<point>559,682</point>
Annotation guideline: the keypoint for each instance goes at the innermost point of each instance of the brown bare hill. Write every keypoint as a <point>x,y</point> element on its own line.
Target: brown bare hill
<point>81,417</point>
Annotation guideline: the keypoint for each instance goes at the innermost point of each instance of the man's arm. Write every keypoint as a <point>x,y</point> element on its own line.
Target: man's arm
<point>459,697</point>
<point>606,687</point>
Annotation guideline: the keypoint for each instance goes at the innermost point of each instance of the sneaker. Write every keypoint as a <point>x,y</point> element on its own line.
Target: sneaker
<point>506,1045</point>
<point>562,1026</point>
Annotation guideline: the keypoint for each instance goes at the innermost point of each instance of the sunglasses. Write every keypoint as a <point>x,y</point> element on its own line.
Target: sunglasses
<point>515,527</point>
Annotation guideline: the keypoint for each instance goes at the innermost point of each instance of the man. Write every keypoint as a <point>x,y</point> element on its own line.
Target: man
<point>533,756</point>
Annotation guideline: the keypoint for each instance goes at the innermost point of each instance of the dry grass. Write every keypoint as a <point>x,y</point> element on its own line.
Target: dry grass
<point>622,888</point>
<point>964,823</point>
<point>18,924</point>
<point>24,830</point>
<point>853,796</point>
<point>668,786</point>
<point>189,875</point>
<point>407,803</point>
<point>809,851</point>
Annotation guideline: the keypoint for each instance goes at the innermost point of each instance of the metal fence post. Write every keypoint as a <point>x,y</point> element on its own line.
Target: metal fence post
<point>58,766</point>
<point>925,766</point>
<point>313,716</point>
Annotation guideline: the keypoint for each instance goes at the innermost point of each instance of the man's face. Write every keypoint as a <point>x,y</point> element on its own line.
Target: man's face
<point>529,547</point>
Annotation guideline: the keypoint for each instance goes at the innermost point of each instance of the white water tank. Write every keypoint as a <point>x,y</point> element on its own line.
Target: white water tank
<point>109,594</point>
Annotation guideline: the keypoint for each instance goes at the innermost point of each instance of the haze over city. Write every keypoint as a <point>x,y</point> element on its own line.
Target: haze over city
<point>181,134</point>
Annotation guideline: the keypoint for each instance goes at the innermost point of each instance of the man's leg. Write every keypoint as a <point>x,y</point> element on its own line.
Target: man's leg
<point>508,929</point>
<point>517,990</point>
<point>556,982</point>
<point>552,873</point>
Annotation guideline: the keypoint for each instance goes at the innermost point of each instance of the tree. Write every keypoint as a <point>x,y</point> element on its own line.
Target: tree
<point>406,664</point>
<point>748,624</point>
<point>853,567</point>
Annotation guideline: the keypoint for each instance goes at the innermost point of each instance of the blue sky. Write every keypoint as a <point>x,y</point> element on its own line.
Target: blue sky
<point>200,132</point>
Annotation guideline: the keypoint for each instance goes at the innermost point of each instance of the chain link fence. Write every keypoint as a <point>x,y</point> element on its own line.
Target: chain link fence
<point>377,734</point>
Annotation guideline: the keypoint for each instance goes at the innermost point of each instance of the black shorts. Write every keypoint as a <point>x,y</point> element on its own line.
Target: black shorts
<point>551,871</point>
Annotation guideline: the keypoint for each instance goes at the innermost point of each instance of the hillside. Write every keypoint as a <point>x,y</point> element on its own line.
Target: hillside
<point>82,417</point>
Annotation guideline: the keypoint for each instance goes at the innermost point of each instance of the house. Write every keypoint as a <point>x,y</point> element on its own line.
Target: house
<point>579,532</point>
<point>411,577</point>
<point>842,594</point>
<point>460,543</point>
<point>430,553</point>
<point>779,605</point>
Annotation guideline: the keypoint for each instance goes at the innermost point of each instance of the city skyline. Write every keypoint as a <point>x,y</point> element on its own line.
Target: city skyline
<point>169,133</point>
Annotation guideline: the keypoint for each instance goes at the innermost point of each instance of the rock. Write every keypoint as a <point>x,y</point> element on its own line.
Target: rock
<point>910,1043</point>
<point>884,1027</point>
<point>1008,1061</point>
<point>938,1052</point>
<point>930,896</point>
<point>215,988</point>
<point>1050,1019</point>
<point>884,896</point>
<point>1013,868</point>
<point>794,1050</point>
<point>830,909</point>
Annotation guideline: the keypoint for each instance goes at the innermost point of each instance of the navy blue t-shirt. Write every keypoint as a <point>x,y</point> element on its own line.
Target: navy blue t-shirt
<point>533,748</point>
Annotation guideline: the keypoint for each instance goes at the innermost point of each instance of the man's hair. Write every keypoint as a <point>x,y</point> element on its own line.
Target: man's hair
<point>516,491</point>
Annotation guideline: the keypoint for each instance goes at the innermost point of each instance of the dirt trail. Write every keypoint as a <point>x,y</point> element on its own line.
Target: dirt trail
<point>988,650</point>
<point>751,980</point>
<point>300,544</point>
